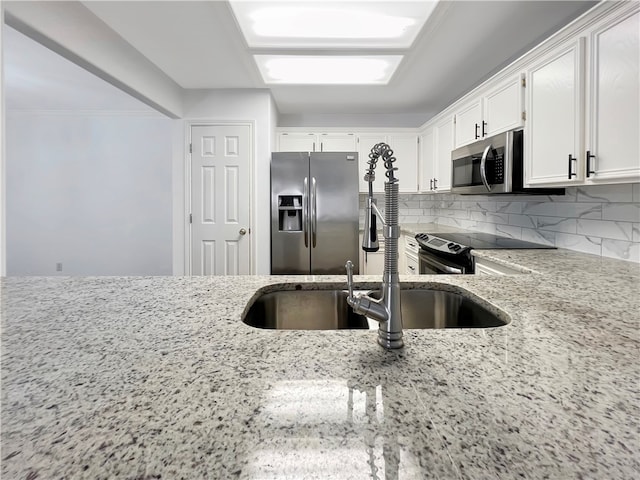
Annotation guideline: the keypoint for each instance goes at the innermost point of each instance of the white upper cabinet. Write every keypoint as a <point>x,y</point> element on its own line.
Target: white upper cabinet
<point>427,160</point>
<point>498,109</point>
<point>436,144</point>
<point>365,142</point>
<point>297,142</point>
<point>613,102</point>
<point>468,122</point>
<point>503,106</point>
<point>314,142</point>
<point>553,135</point>
<point>337,142</point>
<point>404,145</point>
<point>443,146</point>
<point>582,104</point>
<point>405,149</point>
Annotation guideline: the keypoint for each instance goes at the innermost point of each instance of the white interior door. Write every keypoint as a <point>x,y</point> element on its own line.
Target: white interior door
<point>220,191</point>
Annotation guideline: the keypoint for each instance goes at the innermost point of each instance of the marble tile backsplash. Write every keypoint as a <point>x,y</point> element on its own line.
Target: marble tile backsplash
<point>601,219</point>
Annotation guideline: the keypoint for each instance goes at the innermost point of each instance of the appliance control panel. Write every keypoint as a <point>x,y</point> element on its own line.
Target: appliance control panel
<point>432,242</point>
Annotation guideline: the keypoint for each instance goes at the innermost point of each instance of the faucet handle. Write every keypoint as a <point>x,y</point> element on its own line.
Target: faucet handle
<point>349,267</point>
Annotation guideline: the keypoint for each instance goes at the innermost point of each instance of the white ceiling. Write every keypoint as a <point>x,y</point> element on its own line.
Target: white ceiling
<point>198,45</point>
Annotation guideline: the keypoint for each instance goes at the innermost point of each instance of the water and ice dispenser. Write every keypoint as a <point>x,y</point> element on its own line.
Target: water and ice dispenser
<point>290,213</point>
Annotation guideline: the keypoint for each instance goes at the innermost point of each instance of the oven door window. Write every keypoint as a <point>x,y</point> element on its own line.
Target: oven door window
<point>429,264</point>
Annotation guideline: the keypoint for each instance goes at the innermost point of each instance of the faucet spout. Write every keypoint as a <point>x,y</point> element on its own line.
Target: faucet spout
<point>385,309</point>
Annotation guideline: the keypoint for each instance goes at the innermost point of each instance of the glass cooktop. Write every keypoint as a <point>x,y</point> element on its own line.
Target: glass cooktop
<point>488,241</point>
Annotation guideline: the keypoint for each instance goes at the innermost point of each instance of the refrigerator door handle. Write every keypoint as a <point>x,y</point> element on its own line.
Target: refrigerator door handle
<point>305,212</point>
<point>314,212</point>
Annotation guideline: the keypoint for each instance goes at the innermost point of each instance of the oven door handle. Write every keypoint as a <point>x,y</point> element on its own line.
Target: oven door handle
<point>483,167</point>
<point>445,268</point>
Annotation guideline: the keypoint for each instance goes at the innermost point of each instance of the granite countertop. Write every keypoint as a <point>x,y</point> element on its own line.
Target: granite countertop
<point>157,377</point>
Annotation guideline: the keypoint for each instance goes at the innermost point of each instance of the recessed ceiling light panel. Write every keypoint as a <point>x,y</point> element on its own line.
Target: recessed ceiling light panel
<point>331,24</point>
<point>327,70</point>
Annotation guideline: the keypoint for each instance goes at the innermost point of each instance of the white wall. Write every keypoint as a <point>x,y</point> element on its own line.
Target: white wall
<point>242,105</point>
<point>74,32</point>
<point>92,192</point>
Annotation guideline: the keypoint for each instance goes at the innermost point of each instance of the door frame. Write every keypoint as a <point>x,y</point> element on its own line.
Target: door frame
<point>188,124</point>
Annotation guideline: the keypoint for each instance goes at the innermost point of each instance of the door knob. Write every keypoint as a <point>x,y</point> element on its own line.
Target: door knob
<point>242,231</point>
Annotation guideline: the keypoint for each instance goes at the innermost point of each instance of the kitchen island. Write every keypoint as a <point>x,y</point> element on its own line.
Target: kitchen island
<point>157,377</point>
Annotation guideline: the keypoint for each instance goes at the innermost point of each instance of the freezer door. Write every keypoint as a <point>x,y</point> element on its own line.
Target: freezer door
<point>333,208</point>
<point>290,236</point>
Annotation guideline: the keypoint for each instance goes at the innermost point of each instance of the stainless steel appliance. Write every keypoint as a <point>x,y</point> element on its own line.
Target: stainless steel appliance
<point>450,253</point>
<point>314,212</point>
<point>493,165</point>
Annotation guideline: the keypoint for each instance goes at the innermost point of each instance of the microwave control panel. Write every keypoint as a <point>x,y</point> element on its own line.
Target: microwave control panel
<point>431,242</point>
<point>498,166</point>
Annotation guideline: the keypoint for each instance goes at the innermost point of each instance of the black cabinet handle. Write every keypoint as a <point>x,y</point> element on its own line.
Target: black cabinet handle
<point>435,183</point>
<point>484,124</point>
<point>571,174</point>
<point>477,127</point>
<point>589,157</point>
<point>431,184</point>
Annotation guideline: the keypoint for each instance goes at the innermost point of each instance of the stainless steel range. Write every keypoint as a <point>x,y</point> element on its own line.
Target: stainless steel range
<point>447,253</point>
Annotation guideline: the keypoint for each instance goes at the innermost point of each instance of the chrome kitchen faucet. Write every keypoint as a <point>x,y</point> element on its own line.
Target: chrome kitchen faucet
<point>386,309</point>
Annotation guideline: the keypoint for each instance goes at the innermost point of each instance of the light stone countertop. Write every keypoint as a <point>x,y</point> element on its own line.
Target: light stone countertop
<point>157,377</point>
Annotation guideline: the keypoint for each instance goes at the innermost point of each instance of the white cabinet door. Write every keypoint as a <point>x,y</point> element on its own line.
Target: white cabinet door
<point>496,111</point>
<point>613,101</point>
<point>402,259</point>
<point>405,149</point>
<point>409,256</point>
<point>337,142</point>
<point>374,263</point>
<point>502,107</point>
<point>412,267</point>
<point>427,161</point>
<point>444,146</point>
<point>365,143</point>
<point>553,132</point>
<point>298,142</point>
<point>468,123</point>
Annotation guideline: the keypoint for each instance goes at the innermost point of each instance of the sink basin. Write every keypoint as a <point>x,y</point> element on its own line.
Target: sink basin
<point>426,308</point>
<point>329,310</point>
<point>304,310</point>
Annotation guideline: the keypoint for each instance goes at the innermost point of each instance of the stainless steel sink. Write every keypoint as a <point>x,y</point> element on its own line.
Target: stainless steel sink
<point>304,310</point>
<point>328,310</point>
<point>425,308</point>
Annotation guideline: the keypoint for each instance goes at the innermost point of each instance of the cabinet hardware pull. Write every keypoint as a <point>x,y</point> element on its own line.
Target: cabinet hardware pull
<point>589,157</point>
<point>431,184</point>
<point>571,174</point>
<point>484,124</point>
<point>477,127</point>
<point>435,183</point>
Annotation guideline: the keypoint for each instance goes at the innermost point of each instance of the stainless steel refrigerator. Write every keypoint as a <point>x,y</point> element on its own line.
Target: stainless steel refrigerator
<point>314,212</point>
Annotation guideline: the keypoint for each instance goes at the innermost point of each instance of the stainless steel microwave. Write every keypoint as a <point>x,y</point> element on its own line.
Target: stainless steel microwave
<point>493,165</point>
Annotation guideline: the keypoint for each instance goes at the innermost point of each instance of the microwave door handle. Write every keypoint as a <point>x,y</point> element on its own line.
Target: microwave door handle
<point>483,167</point>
